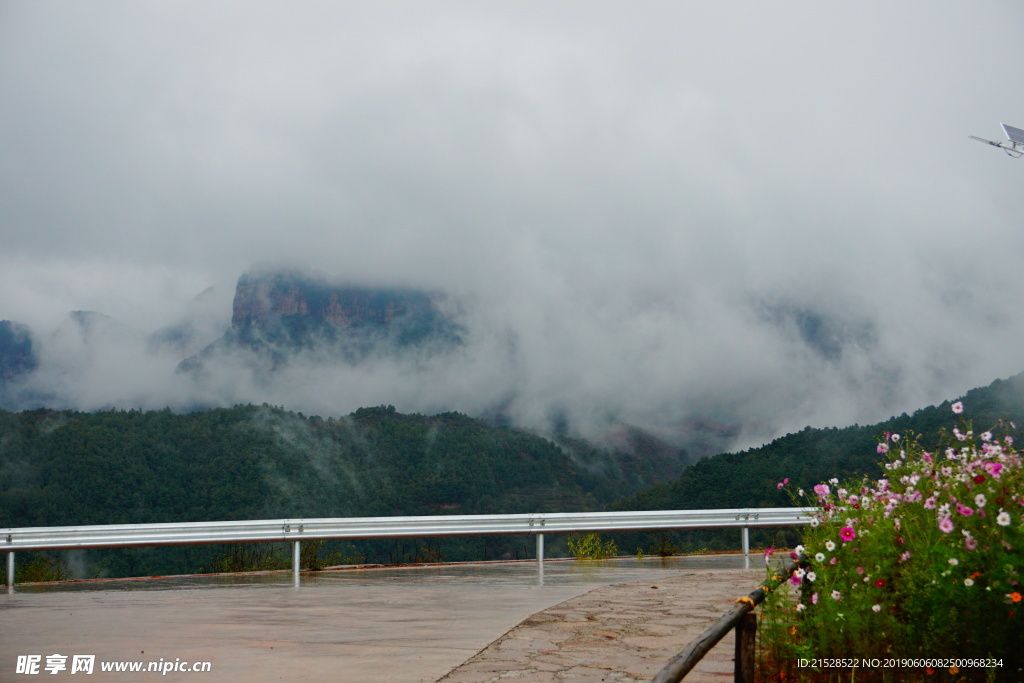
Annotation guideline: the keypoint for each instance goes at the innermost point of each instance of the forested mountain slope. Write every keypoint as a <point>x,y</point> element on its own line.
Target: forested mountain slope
<point>808,457</point>
<point>260,462</point>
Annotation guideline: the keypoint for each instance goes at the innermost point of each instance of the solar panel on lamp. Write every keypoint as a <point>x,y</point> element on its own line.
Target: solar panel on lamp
<point>1015,134</point>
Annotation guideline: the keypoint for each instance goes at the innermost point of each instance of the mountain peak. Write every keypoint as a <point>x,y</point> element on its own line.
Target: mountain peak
<point>277,313</point>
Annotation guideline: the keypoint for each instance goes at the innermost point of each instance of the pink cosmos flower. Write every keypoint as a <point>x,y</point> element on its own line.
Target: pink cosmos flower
<point>994,468</point>
<point>945,525</point>
<point>964,510</point>
<point>814,599</point>
<point>882,448</point>
<point>905,556</point>
<point>876,608</point>
<point>836,595</point>
<point>958,407</point>
<point>822,490</point>
<point>847,533</point>
<point>971,543</point>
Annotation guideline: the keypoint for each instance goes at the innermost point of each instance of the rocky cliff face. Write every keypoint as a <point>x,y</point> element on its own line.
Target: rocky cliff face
<point>17,355</point>
<point>271,297</point>
<point>280,313</point>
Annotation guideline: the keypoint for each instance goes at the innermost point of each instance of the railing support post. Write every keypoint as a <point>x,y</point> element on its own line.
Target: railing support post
<point>540,550</point>
<point>295,563</point>
<point>10,571</point>
<point>746,632</point>
<point>746,547</point>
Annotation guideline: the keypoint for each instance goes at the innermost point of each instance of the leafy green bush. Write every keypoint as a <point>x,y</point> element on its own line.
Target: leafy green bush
<point>41,568</point>
<point>591,547</point>
<point>923,564</point>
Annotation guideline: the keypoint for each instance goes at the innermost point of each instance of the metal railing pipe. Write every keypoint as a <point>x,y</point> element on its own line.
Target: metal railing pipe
<point>683,663</point>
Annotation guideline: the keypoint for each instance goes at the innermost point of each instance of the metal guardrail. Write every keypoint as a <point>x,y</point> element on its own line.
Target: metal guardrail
<point>296,530</point>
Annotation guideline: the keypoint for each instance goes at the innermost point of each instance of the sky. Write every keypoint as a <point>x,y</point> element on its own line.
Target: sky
<point>650,212</point>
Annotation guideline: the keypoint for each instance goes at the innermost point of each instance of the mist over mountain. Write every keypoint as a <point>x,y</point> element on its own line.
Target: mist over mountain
<point>715,222</point>
<point>639,377</point>
<point>280,315</point>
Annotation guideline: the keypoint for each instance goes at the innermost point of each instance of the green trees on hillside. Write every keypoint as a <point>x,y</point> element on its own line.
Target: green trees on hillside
<point>263,462</point>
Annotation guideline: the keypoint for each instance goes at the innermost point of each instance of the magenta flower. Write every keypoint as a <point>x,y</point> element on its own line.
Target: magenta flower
<point>847,533</point>
<point>994,468</point>
<point>822,490</point>
<point>964,510</point>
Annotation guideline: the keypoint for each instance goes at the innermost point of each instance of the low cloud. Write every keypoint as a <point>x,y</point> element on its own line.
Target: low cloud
<point>752,216</point>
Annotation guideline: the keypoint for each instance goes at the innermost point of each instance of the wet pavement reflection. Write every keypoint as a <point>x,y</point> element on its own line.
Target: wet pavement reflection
<point>523,573</point>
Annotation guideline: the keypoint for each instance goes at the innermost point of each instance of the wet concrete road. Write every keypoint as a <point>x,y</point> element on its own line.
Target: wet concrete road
<point>408,624</point>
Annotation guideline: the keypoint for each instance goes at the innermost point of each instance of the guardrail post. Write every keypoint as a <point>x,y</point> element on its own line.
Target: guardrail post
<point>746,631</point>
<point>540,551</point>
<point>746,547</point>
<point>10,571</point>
<point>295,563</point>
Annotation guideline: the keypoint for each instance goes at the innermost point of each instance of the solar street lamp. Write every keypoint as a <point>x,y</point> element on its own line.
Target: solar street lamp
<point>1015,146</point>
